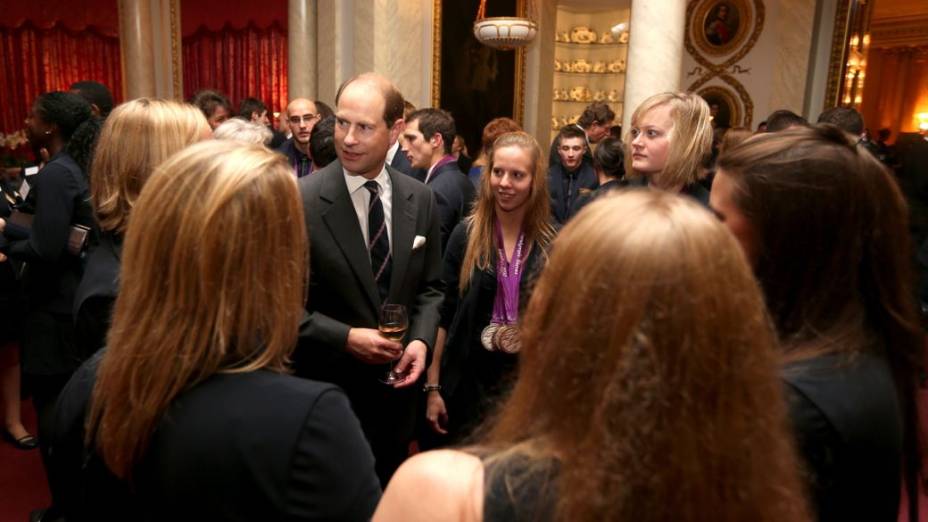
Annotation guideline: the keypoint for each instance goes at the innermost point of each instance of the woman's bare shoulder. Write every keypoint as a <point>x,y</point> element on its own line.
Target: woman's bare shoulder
<point>435,485</point>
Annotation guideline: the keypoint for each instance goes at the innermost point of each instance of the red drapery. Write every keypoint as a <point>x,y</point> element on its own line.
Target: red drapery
<point>239,63</point>
<point>34,60</point>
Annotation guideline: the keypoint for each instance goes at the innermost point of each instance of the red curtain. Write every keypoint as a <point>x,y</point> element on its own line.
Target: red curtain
<point>239,63</point>
<point>34,60</point>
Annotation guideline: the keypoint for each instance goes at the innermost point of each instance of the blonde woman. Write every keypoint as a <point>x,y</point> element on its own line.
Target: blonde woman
<point>490,262</point>
<point>669,144</point>
<point>644,393</point>
<point>136,138</point>
<point>189,411</point>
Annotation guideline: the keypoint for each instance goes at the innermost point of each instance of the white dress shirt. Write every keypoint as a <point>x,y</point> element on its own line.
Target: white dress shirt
<point>391,152</point>
<point>361,199</point>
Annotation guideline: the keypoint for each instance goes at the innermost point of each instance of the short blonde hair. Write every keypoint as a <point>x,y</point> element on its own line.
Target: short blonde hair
<point>690,138</point>
<point>241,130</point>
<point>137,137</point>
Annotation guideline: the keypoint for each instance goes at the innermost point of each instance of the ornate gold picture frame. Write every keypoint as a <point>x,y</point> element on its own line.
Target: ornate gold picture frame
<point>719,27</point>
<point>725,106</point>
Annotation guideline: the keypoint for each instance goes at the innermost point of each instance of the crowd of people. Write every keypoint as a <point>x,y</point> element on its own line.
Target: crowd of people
<point>338,315</point>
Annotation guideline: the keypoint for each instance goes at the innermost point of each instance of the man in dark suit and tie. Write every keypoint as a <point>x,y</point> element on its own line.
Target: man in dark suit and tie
<point>427,142</point>
<point>374,239</point>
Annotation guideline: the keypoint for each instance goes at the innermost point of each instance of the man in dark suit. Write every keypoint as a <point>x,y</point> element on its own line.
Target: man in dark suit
<point>427,141</point>
<point>571,175</point>
<point>374,239</point>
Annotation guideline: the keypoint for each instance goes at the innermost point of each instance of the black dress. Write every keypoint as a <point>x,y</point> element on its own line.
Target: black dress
<point>241,446</point>
<point>519,489</point>
<point>474,379</point>
<point>848,423</point>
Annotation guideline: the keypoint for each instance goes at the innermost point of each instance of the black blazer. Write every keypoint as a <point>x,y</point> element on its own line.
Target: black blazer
<point>93,301</point>
<point>343,295</point>
<point>455,195</point>
<point>848,424</point>
<point>464,317</point>
<point>562,210</point>
<point>59,197</point>
<point>242,446</point>
<point>401,163</point>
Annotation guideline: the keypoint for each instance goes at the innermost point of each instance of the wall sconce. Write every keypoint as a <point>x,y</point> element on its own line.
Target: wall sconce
<point>922,118</point>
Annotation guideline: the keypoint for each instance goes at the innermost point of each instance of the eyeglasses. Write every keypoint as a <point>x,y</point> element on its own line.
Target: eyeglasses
<point>306,117</point>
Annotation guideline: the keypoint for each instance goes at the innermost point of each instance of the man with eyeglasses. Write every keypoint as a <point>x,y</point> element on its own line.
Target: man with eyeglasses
<point>302,116</point>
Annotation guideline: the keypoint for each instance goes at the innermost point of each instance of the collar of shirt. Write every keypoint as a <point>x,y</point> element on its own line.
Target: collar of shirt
<point>440,163</point>
<point>360,199</point>
<point>391,152</point>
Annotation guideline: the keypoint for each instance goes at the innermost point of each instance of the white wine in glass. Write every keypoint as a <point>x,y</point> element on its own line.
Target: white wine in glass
<point>393,325</point>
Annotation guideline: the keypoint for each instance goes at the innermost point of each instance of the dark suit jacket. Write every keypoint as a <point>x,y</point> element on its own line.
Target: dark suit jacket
<point>93,301</point>
<point>848,424</point>
<point>401,163</point>
<point>343,295</point>
<point>455,195</point>
<point>586,181</point>
<point>242,446</point>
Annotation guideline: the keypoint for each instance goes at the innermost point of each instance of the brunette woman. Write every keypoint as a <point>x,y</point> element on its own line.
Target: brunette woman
<point>670,142</point>
<point>609,165</point>
<point>496,128</point>
<point>189,411</point>
<point>825,226</point>
<point>490,262</point>
<point>644,393</point>
<point>58,202</point>
<point>136,138</point>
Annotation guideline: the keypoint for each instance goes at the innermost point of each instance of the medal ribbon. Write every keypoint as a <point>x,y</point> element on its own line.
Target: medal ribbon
<point>508,276</point>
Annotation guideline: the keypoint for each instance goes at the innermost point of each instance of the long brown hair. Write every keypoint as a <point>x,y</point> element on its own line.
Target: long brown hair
<point>657,393</point>
<point>137,136</point>
<point>690,138</point>
<point>833,253</point>
<point>213,279</point>
<point>481,241</point>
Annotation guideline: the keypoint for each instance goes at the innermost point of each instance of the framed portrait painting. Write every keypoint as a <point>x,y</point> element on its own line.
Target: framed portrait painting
<point>719,27</point>
<point>724,106</point>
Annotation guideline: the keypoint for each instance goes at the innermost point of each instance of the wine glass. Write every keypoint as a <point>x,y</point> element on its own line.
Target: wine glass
<point>393,325</point>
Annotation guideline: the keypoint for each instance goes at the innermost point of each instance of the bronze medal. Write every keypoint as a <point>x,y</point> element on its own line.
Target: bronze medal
<point>507,339</point>
<point>487,336</point>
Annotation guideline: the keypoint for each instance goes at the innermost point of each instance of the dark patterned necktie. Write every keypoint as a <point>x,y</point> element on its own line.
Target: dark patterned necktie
<point>378,243</point>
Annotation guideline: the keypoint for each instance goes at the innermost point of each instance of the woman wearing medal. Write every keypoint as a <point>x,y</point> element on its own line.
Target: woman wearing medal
<point>491,259</point>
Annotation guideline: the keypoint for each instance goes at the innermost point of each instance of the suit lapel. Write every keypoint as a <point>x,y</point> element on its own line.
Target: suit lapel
<point>404,228</point>
<point>342,222</point>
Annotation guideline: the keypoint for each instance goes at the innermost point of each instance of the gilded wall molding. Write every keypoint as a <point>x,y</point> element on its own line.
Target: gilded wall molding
<point>838,52</point>
<point>436,53</point>
<point>696,10</point>
<point>177,73</point>
<point>899,31</point>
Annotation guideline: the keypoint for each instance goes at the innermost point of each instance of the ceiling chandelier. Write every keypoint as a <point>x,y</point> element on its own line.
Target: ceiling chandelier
<point>504,32</point>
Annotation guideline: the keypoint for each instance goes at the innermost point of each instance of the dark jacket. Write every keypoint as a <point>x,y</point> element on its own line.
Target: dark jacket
<point>301,164</point>
<point>93,302</point>
<point>343,295</point>
<point>455,195</point>
<point>583,180</point>
<point>471,376</point>
<point>241,446</point>
<point>848,423</point>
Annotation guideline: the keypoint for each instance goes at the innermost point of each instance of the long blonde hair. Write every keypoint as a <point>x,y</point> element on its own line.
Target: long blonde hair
<point>690,138</point>
<point>137,136</point>
<point>648,373</point>
<point>481,241</point>
<point>214,277</point>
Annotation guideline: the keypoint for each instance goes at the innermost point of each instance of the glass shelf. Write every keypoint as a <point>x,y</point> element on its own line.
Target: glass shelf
<point>569,73</point>
<point>595,45</point>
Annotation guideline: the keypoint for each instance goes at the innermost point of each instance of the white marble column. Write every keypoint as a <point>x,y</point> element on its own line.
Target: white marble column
<point>390,37</point>
<point>301,49</point>
<point>655,51</point>
<point>136,48</point>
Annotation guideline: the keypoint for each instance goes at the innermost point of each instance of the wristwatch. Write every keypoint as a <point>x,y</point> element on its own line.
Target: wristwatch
<point>431,387</point>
